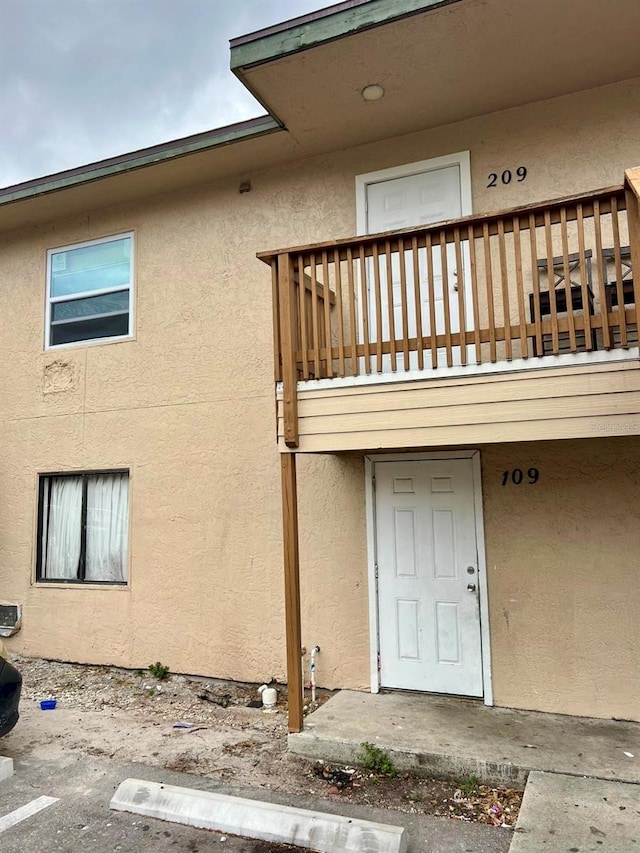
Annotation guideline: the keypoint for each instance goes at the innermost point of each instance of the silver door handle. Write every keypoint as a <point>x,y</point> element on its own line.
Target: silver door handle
<point>471,587</point>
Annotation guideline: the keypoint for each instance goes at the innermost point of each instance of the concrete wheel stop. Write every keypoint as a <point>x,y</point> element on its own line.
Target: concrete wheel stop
<point>6,768</point>
<point>326,833</point>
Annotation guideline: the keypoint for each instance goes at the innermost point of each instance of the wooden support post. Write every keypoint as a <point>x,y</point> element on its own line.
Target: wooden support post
<point>288,339</point>
<point>632,198</point>
<point>292,589</point>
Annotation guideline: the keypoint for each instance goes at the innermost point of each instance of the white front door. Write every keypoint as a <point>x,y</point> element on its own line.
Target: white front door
<point>428,586</point>
<point>395,203</point>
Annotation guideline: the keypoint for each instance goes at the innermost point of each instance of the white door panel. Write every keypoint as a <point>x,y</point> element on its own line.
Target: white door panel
<point>399,203</point>
<point>428,593</point>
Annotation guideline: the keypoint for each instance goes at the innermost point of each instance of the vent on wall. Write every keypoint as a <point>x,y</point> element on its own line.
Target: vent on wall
<point>10,619</point>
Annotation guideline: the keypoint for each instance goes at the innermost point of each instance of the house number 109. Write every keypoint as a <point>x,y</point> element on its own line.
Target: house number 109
<point>517,476</point>
<point>507,176</point>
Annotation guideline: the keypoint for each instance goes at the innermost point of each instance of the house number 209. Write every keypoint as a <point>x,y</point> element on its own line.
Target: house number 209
<point>507,176</point>
<point>517,476</point>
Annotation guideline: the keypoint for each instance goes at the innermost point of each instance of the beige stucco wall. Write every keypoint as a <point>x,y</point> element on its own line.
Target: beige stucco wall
<point>563,559</point>
<point>188,406</point>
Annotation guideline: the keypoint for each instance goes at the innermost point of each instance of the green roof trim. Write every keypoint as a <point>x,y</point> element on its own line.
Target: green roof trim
<point>314,29</point>
<point>138,159</point>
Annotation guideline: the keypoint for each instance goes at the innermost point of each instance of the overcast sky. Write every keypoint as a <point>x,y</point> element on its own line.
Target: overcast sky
<point>81,80</point>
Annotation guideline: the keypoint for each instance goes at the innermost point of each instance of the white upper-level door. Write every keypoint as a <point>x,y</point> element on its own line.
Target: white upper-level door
<point>396,203</point>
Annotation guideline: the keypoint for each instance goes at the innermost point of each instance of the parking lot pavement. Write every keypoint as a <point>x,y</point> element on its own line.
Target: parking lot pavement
<point>76,815</point>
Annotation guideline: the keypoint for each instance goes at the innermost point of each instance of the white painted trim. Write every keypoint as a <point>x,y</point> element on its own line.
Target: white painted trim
<point>483,581</point>
<point>462,159</point>
<point>370,512</point>
<point>519,365</point>
<point>485,634</point>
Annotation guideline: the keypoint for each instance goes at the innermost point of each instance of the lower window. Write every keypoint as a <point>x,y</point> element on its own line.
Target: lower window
<point>83,527</point>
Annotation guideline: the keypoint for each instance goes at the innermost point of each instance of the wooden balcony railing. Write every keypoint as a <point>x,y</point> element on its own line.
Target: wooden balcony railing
<point>527,283</point>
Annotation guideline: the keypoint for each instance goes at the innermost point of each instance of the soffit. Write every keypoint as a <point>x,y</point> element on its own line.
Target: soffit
<point>447,64</point>
<point>134,182</point>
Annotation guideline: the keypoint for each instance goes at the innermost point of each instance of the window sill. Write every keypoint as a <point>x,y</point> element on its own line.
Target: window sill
<point>79,585</point>
<point>91,343</point>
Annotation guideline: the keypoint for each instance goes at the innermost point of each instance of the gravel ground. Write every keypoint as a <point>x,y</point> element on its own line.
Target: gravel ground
<point>205,727</point>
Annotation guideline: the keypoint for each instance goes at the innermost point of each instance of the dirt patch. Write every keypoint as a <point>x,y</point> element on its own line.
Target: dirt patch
<point>104,711</point>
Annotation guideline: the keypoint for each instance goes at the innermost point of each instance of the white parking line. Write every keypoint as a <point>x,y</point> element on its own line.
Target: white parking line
<point>24,812</point>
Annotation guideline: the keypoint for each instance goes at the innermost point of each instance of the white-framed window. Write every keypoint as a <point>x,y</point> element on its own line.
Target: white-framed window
<point>90,291</point>
<point>83,527</point>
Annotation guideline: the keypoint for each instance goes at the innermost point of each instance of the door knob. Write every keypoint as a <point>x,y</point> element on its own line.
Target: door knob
<point>471,587</point>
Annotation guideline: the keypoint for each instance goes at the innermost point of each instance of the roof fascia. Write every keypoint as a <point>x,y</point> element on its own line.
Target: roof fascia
<point>317,28</point>
<point>138,159</point>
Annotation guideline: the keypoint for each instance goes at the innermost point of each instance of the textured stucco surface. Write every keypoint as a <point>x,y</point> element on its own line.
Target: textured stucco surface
<point>188,406</point>
<point>563,558</point>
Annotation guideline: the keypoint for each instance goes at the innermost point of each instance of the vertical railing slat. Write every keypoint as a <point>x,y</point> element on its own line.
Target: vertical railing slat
<point>315,322</point>
<point>566,277</point>
<point>432,301</point>
<point>445,298</point>
<point>403,302</point>
<point>600,272</point>
<point>615,227</point>
<point>553,308</point>
<point>302,317</point>
<point>460,278</point>
<point>417,295</point>
<point>365,310</point>
<point>378,298</point>
<point>352,312</point>
<point>584,288</point>
<point>473,272</point>
<point>390,305</point>
<point>339,312</point>
<point>506,309</point>
<point>489,291</point>
<point>522,315</point>
<point>535,285</point>
<point>327,314</point>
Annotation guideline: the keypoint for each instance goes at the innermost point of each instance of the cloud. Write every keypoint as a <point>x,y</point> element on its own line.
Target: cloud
<point>81,80</point>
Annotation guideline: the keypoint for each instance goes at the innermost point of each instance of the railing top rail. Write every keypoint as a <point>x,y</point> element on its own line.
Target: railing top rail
<point>465,222</point>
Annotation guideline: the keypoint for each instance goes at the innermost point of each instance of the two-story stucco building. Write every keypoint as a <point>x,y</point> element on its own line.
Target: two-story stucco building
<point>452,432</point>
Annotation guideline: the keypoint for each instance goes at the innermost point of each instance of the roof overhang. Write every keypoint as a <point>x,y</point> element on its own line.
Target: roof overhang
<point>439,61</point>
<point>218,154</point>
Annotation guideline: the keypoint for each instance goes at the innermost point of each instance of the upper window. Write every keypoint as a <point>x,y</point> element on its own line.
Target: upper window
<point>89,290</point>
<point>83,527</point>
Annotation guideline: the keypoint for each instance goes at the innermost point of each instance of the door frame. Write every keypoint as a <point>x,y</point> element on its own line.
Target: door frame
<point>370,461</point>
<point>462,159</point>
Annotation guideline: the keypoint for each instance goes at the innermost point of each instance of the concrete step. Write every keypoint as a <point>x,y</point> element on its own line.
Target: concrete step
<point>448,737</point>
<point>563,813</point>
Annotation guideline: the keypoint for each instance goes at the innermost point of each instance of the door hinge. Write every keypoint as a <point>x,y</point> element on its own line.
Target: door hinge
<point>375,568</point>
<point>379,663</point>
<point>373,483</point>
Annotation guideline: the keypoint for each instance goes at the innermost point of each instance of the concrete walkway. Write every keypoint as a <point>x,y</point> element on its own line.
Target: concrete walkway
<point>450,737</point>
<point>565,813</point>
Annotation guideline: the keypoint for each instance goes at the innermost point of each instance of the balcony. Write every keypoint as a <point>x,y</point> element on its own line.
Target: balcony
<point>520,324</point>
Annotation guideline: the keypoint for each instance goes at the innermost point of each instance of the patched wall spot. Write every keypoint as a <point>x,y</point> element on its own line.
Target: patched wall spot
<point>58,376</point>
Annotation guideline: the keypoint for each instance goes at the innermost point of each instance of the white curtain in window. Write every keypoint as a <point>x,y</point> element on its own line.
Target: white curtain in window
<point>61,528</point>
<point>107,527</point>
